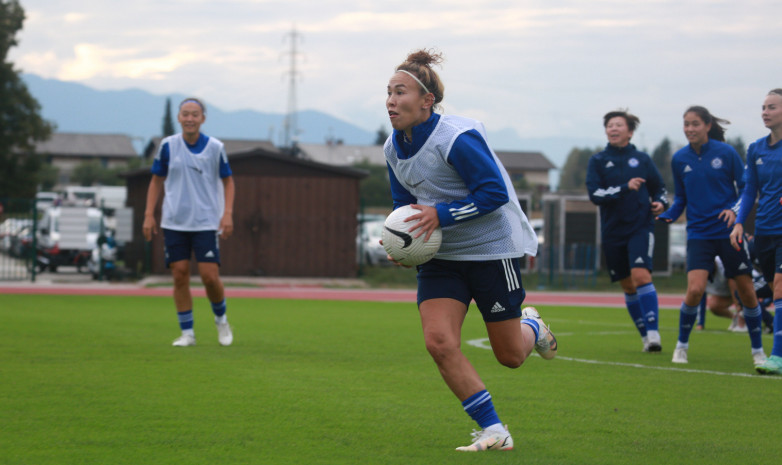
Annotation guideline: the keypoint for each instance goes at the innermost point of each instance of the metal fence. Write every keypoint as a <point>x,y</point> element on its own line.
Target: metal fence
<point>574,266</point>
<point>18,221</point>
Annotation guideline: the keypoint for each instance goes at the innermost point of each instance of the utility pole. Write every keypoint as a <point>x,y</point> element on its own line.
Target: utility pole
<point>291,125</point>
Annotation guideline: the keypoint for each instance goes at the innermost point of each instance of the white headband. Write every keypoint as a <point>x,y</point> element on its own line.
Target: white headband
<point>416,79</point>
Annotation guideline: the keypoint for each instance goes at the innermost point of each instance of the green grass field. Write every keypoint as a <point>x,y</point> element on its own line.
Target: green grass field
<point>94,380</point>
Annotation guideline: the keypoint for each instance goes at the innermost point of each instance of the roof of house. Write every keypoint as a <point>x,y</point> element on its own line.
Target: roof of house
<point>527,161</point>
<point>341,154</point>
<point>80,145</point>
<point>232,145</point>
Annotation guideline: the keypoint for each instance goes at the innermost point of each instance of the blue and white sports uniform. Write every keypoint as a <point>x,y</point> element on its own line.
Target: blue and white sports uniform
<point>626,219</point>
<point>627,223</point>
<point>763,176</point>
<point>763,179</point>
<point>706,184</point>
<point>194,200</point>
<point>450,167</point>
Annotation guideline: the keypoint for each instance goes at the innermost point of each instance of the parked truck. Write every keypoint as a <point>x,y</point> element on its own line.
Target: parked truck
<point>66,235</point>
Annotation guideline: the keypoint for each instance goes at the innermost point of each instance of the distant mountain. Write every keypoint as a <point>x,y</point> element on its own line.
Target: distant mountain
<point>78,108</point>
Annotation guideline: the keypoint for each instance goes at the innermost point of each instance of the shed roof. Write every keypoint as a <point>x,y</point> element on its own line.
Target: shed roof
<point>273,156</point>
<point>303,163</point>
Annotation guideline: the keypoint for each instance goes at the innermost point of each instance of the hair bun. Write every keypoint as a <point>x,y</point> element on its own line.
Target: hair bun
<point>425,57</point>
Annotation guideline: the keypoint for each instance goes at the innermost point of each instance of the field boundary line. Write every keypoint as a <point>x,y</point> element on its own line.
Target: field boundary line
<point>481,344</point>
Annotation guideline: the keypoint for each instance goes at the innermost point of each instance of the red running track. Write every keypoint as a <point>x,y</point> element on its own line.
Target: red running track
<point>586,299</point>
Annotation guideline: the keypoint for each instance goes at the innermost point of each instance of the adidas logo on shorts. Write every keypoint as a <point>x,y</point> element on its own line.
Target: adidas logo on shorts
<point>497,308</point>
<point>209,254</point>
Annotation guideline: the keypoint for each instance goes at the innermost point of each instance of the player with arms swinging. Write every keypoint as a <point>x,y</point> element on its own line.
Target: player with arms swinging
<point>443,166</point>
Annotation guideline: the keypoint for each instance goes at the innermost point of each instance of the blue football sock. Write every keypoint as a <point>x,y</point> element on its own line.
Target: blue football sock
<point>185,320</point>
<point>218,309</point>
<point>687,317</point>
<point>532,324</point>
<point>647,295</point>
<point>634,309</point>
<point>776,349</point>
<point>481,409</point>
<point>754,326</point>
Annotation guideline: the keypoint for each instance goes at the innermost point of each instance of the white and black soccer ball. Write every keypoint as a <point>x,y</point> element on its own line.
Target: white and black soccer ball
<point>401,245</point>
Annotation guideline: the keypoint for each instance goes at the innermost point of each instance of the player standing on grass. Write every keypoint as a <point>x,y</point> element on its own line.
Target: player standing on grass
<point>707,173</point>
<point>443,166</point>
<point>193,170</point>
<point>629,190</point>
<point>763,175</point>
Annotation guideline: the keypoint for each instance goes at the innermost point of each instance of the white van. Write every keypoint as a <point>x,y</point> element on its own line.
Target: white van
<point>44,200</point>
<point>96,196</point>
<point>68,234</point>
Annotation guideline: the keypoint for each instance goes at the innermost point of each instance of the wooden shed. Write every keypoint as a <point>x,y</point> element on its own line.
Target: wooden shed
<point>292,217</point>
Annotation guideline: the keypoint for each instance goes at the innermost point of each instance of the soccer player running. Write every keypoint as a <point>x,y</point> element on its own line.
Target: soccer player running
<point>763,176</point>
<point>629,190</point>
<point>707,173</point>
<point>443,166</point>
<point>193,170</point>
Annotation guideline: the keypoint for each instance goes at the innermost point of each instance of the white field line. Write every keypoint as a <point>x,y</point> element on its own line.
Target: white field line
<point>483,343</point>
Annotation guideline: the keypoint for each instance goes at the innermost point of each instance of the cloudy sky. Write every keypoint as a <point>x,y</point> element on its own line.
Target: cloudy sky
<point>540,67</point>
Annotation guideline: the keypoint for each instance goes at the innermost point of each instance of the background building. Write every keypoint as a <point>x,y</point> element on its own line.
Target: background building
<point>292,217</point>
<point>65,151</point>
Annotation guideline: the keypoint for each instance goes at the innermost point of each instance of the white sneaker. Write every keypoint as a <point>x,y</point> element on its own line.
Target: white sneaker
<point>546,345</point>
<point>486,440</point>
<point>224,334</point>
<point>645,341</point>
<point>184,340</point>
<point>759,358</point>
<point>654,343</point>
<point>680,355</point>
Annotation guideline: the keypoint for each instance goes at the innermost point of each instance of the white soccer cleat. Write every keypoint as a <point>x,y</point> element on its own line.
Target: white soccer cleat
<point>224,334</point>
<point>184,340</point>
<point>759,358</point>
<point>645,341</point>
<point>546,345</point>
<point>679,355</point>
<point>653,342</point>
<point>489,440</point>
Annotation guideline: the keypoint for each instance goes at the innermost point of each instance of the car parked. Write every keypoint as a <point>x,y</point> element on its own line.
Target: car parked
<point>368,248</point>
<point>9,229</point>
